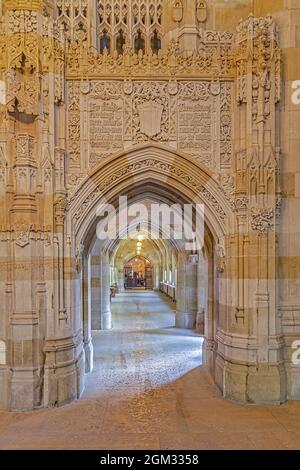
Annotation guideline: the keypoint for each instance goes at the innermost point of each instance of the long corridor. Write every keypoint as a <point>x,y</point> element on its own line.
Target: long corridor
<point>148,390</point>
<point>144,351</point>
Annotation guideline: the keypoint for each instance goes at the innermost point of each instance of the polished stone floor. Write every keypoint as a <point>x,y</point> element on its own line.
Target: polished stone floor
<point>148,390</point>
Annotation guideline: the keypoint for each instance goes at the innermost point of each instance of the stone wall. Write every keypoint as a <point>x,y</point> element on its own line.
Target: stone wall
<point>210,118</point>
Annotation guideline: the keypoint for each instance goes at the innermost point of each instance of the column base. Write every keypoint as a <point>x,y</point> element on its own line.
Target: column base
<point>208,355</point>
<point>200,322</point>
<point>64,370</point>
<point>185,320</point>
<point>262,384</point>
<point>106,321</point>
<point>25,389</point>
<point>4,379</point>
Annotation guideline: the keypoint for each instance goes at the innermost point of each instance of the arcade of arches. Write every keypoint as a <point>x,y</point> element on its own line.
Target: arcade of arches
<point>164,102</point>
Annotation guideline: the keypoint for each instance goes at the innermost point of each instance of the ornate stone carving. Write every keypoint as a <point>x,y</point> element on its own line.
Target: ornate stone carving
<point>60,205</point>
<point>130,18</point>
<point>23,96</point>
<point>177,11</point>
<point>208,196</point>
<point>150,114</point>
<point>225,126</point>
<point>3,165</point>
<point>195,120</point>
<point>257,46</point>
<point>23,235</point>
<point>173,87</point>
<point>173,170</point>
<point>178,113</point>
<point>128,87</point>
<point>241,203</point>
<point>201,11</point>
<point>24,148</point>
<point>220,257</point>
<point>22,21</point>
<point>72,18</point>
<point>74,124</point>
<point>215,87</point>
<point>262,220</point>
<point>215,60</point>
<point>22,232</point>
<point>105,127</point>
<point>154,96</point>
<point>227,185</point>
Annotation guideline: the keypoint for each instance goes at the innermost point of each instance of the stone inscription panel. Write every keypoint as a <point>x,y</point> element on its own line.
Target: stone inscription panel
<point>107,116</point>
<point>194,127</point>
<point>105,128</point>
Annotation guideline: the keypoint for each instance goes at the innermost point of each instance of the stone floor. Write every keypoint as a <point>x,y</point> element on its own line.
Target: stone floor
<point>148,390</point>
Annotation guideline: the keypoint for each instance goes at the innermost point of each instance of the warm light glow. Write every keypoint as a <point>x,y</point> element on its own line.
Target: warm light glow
<point>139,244</point>
<point>140,238</point>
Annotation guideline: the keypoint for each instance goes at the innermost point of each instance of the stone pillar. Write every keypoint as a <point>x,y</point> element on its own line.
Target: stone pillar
<point>202,287</point>
<point>186,291</point>
<point>87,320</point>
<point>249,358</point>
<point>188,33</point>
<point>106,321</point>
<point>25,229</point>
<point>100,291</point>
<point>95,290</point>
<point>120,280</point>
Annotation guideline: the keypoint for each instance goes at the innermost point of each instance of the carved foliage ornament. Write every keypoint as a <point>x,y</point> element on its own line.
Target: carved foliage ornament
<point>22,21</point>
<point>216,59</point>
<point>262,220</point>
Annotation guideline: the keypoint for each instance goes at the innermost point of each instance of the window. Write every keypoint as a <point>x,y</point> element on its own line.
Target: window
<point>120,42</point>
<point>104,42</point>
<point>155,42</point>
<point>139,42</point>
<point>136,22</point>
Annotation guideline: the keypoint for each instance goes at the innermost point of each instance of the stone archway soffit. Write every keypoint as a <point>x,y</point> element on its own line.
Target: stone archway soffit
<point>166,167</point>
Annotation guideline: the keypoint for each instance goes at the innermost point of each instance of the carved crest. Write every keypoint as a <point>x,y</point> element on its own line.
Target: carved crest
<point>150,118</point>
<point>23,235</point>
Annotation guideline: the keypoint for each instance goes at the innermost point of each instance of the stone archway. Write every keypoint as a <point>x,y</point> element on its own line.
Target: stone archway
<point>141,169</point>
<point>45,229</point>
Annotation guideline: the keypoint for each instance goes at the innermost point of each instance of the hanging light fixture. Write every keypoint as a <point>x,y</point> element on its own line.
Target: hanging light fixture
<point>140,238</point>
<point>139,244</point>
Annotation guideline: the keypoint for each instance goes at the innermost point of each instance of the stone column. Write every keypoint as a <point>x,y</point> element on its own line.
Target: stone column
<point>202,286</point>
<point>186,291</point>
<point>121,280</point>
<point>100,292</point>
<point>87,327</point>
<point>105,312</point>
<point>95,290</point>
